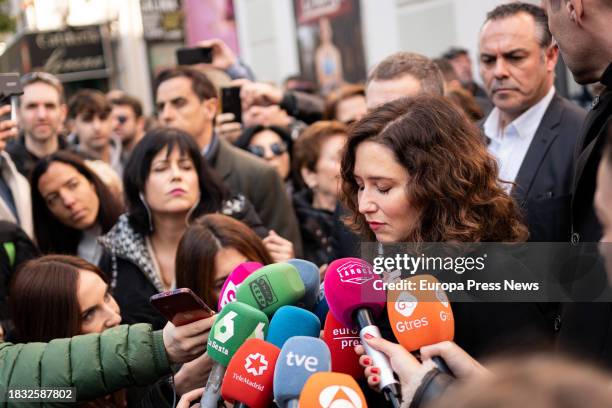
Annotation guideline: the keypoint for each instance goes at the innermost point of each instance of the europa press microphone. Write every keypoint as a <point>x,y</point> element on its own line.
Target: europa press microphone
<point>355,301</point>
<point>421,317</point>
<point>341,341</point>
<point>299,358</point>
<point>233,280</point>
<point>233,325</point>
<point>330,390</point>
<point>290,321</point>
<point>249,377</point>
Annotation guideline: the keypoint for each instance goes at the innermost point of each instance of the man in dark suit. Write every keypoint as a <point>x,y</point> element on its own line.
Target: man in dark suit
<point>186,99</point>
<point>532,130</point>
<point>582,30</point>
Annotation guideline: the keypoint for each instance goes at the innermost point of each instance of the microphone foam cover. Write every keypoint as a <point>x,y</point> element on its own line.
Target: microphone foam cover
<point>350,284</point>
<point>233,325</point>
<point>234,279</point>
<point>289,321</point>
<point>250,374</point>
<point>271,287</point>
<point>341,342</point>
<point>309,273</point>
<point>331,390</point>
<point>420,317</point>
<point>321,308</point>
<point>299,358</point>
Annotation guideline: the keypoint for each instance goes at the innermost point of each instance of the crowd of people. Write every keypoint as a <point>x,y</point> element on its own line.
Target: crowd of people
<point>102,207</point>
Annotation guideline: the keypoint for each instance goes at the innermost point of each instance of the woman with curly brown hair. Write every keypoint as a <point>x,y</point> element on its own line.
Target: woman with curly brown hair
<point>416,170</point>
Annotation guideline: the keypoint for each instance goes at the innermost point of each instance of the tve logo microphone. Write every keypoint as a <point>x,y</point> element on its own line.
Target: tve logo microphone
<point>309,363</point>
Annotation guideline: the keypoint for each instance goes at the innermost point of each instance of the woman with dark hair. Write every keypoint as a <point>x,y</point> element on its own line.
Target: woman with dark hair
<point>210,249</point>
<point>316,163</point>
<point>167,184</point>
<point>415,170</point>
<point>71,206</point>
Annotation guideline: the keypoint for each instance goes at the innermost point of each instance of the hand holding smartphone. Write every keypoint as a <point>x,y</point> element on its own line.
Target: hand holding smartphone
<point>181,306</point>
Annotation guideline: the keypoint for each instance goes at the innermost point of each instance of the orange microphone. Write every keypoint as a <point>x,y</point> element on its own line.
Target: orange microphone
<point>420,314</point>
<point>331,390</point>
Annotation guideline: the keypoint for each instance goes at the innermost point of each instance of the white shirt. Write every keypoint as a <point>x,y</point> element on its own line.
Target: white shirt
<point>509,145</point>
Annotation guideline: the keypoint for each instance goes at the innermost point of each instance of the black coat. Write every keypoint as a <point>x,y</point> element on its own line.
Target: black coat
<point>316,227</point>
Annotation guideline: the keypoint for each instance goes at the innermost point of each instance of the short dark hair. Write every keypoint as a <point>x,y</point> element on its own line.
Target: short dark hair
<point>128,100</point>
<point>447,70</point>
<point>200,84</point>
<point>51,235</point>
<point>408,63</point>
<point>454,52</point>
<point>538,14</point>
<point>335,97</point>
<point>43,302</point>
<point>138,168</point>
<point>44,78</point>
<point>89,103</point>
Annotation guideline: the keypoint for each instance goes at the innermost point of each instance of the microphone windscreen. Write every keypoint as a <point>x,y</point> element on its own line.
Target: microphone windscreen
<point>331,390</point>
<point>271,287</point>
<point>299,358</point>
<point>321,307</point>
<point>234,279</point>
<point>419,313</point>
<point>341,341</point>
<point>351,284</point>
<point>289,321</point>
<point>233,325</point>
<point>309,273</point>
<point>250,374</point>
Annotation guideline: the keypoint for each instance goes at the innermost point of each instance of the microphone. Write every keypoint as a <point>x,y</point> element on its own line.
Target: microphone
<point>309,273</point>
<point>299,358</point>
<point>289,321</point>
<point>332,390</point>
<point>233,280</point>
<point>249,377</point>
<point>341,340</point>
<point>234,324</point>
<point>271,287</point>
<point>420,317</point>
<point>321,308</point>
<point>353,299</point>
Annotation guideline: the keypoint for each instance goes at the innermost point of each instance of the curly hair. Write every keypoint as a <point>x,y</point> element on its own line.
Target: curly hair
<point>454,180</point>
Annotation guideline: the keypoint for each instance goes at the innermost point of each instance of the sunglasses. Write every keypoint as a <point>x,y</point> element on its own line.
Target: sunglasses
<point>276,148</point>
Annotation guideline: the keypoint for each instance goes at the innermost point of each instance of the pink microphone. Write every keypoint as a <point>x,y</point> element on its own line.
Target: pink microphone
<point>234,279</point>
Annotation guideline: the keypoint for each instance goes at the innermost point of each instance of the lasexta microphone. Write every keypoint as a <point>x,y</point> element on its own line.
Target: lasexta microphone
<point>233,280</point>
<point>299,358</point>
<point>331,390</point>
<point>234,324</point>
<point>271,287</point>
<point>290,321</point>
<point>356,297</point>
<point>341,341</point>
<point>309,273</point>
<point>249,376</point>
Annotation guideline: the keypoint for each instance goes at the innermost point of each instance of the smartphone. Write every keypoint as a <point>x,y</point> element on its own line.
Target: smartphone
<point>181,306</point>
<point>231,103</point>
<point>196,55</point>
<point>10,89</point>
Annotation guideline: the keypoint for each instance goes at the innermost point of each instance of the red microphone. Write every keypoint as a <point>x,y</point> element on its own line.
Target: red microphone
<point>341,340</point>
<point>250,374</point>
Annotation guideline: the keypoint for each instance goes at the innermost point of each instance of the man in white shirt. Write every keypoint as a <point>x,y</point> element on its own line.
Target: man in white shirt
<point>532,130</point>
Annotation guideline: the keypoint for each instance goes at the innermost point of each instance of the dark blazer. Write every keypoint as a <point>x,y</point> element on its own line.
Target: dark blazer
<point>247,174</point>
<point>544,181</point>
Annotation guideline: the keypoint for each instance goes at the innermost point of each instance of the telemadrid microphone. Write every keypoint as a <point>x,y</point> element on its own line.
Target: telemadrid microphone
<point>341,341</point>
<point>233,280</point>
<point>420,317</point>
<point>249,377</point>
<point>234,324</point>
<point>271,287</point>
<point>331,390</point>
<point>309,273</point>
<point>353,298</point>
<point>299,358</point>
<point>289,321</point>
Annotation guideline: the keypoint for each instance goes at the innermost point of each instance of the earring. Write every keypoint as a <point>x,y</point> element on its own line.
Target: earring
<point>151,226</point>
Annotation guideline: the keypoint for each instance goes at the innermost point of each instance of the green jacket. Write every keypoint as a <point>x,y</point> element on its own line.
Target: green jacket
<point>94,364</point>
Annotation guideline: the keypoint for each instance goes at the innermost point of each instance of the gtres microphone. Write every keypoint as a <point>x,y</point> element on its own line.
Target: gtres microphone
<point>354,300</point>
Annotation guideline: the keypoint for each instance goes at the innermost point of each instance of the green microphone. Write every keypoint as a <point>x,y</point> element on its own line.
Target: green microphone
<point>271,287</point>
<point>236,323</point>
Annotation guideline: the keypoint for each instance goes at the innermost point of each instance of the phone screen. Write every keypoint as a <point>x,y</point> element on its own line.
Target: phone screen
<point>231,103</point>
<point>192,56</point>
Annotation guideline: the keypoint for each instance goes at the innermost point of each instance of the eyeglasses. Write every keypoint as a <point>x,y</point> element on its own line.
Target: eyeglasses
<point>276,148</point>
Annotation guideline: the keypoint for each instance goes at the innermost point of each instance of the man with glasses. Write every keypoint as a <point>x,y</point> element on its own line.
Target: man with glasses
<point>41,115</point>
<point>128,122</point>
